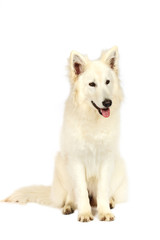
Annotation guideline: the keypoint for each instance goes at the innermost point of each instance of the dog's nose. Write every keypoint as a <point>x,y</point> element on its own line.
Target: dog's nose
<point>107,103</point>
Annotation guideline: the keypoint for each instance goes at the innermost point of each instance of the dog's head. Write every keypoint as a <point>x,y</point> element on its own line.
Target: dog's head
<point>95,83</point>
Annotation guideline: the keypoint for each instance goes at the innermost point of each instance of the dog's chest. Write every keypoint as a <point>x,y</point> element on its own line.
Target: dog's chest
<point>94,143</point>
<point>92,160</point>
<point>95,137</point>
<point>90,142</point>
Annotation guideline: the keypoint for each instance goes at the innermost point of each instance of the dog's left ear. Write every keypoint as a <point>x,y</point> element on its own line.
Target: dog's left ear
<point>111,57</point>
<point>78,64</point>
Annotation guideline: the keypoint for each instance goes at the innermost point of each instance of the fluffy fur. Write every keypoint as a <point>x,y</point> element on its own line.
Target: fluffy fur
<point>88,168</point>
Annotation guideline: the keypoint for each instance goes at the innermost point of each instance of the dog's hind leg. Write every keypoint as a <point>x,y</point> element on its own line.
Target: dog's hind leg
<point>121,194</point>
<point>119,186</point>
<point>59,191</point>
<point>69,205</point>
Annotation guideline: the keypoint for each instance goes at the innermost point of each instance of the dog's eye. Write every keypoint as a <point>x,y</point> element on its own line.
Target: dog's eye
<point>92,84</point>
<point>107,82</point>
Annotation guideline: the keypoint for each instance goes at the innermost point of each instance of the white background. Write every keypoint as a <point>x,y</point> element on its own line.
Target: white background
<point>36,38</point>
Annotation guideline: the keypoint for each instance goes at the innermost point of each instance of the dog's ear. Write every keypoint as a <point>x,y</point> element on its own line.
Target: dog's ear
<point>78,64</point>
<point>111,57</point>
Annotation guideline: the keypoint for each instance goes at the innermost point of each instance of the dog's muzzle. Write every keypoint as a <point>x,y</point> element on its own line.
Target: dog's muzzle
<point>105,112</point>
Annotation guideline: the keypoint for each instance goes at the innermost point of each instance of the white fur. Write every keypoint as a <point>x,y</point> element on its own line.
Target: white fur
<point>89,162</point>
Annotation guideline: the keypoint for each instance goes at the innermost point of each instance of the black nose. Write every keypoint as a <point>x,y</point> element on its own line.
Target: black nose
<point>107,103</point>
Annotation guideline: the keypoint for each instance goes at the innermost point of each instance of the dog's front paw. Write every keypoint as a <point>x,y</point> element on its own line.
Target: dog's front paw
<point>85,217</point>
<point>106,217</point>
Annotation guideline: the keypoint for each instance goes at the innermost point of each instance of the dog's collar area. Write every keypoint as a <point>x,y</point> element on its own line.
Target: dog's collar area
<point>105,112</point>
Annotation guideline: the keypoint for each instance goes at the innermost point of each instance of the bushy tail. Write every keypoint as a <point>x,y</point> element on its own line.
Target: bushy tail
<point>35,194</point>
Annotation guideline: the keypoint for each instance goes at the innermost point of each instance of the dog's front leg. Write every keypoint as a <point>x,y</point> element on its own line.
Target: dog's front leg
<point>106,170</point>
<point>81,193</point>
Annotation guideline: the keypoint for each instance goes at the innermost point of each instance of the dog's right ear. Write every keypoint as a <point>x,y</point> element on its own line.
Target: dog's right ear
<point>78,64</point>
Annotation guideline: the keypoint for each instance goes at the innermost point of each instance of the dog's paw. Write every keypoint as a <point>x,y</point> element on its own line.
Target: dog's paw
<point>86,217</point>
<point>106,217</point>
<point>67,209</point>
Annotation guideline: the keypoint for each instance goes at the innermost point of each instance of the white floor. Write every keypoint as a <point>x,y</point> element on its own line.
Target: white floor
<point>133,221</point>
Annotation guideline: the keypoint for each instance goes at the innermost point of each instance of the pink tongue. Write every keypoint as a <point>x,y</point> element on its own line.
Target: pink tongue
<point>105,112</point>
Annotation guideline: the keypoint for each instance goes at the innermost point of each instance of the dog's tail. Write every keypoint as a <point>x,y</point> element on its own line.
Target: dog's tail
<point>35,194</point>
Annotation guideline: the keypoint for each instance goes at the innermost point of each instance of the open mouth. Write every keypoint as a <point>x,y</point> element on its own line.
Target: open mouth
<point>105,112</point>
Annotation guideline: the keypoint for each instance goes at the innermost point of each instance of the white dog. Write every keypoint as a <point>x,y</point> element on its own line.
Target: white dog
<point>88,169</point>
